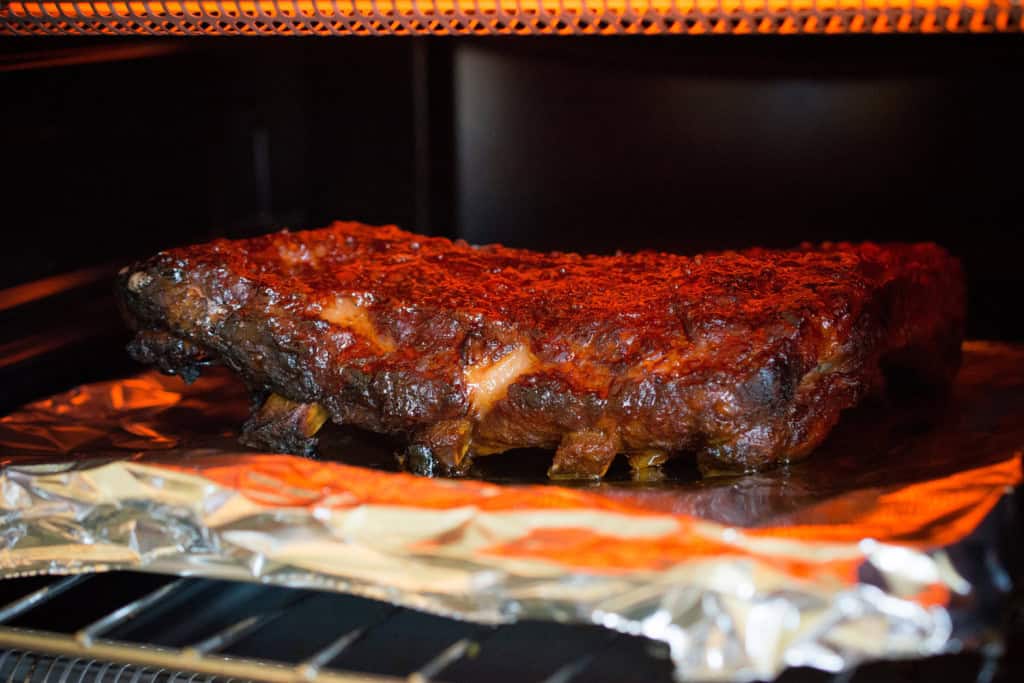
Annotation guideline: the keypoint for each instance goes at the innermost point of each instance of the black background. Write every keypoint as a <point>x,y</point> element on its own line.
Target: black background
<point>589,144</point>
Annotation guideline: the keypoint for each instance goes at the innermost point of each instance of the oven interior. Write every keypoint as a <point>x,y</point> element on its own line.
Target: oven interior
<point>114,148</point>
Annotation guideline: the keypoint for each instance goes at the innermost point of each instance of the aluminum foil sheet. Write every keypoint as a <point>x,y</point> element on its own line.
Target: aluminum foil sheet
<point>880,545</point>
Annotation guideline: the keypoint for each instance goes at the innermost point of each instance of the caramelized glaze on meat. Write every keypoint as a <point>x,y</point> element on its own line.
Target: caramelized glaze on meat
<point>743,359</point>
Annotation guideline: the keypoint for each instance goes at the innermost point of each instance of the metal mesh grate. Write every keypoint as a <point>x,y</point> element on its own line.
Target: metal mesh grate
<point>137,628</point>
<point>28,667</point>
<point>509,17</point>
<point>104,651</point>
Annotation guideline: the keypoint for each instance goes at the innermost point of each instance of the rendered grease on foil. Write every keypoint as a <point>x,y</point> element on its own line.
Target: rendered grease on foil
<point>856,553</point>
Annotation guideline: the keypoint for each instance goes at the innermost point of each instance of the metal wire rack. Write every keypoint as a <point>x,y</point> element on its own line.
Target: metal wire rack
<point>138,628</point>
<point>507,17</point>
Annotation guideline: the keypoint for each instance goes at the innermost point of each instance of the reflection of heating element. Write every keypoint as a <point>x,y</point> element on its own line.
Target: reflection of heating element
<point>130,627</point>
<point>510,17</point>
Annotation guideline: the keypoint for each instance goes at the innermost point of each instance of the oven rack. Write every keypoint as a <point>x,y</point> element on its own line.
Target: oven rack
<point>141,628</point>
<point>507,17</point>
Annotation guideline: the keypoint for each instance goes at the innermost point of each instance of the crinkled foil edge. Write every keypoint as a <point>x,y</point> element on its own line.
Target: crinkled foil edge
<point>722,617</point>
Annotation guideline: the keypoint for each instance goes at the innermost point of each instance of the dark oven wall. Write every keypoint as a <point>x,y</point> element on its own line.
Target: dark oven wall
<point>691,145</point>
<point>114,149</point>
<point>196,139</point>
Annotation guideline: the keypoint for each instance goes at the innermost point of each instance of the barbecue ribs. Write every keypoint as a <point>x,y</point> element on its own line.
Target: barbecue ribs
<point>742,359</point>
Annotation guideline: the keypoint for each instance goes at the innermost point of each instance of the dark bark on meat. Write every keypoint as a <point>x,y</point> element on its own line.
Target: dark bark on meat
<point>741,359</point>
<point>280,424</point>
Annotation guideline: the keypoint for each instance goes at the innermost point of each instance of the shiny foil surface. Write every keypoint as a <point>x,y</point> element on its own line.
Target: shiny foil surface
<point>882,544</point>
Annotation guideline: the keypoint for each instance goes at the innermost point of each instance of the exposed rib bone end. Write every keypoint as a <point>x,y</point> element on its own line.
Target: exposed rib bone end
<point>440,449</point>
<point>646,465</point>
<point>284,425</point>
<point>586,454</point>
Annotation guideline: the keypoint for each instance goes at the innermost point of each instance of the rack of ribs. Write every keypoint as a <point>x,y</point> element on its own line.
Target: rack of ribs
<point>740,359</point>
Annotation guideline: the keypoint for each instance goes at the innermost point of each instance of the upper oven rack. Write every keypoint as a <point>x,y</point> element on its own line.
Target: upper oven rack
<point>507,17</point>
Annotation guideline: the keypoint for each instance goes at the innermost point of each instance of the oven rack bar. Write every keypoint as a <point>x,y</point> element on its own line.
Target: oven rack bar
<point>26,641</point>
<point>200,658</point>
<point>98,652</point>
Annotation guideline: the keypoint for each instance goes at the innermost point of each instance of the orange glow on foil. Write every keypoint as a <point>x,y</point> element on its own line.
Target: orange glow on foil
<point>516,17</point>
<point>883,491</point>
<point>930,514</point>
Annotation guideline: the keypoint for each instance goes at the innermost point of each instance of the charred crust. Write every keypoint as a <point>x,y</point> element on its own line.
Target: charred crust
<point>745,360</point>
<point>172,355</point>
<point>277,439</point>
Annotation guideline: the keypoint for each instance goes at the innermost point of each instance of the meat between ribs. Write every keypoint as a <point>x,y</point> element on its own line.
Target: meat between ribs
<point>741,359</point>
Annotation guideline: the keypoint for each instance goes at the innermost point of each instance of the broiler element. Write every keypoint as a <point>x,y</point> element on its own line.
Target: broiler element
<point>743,360</point>
<point>503,17</point>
